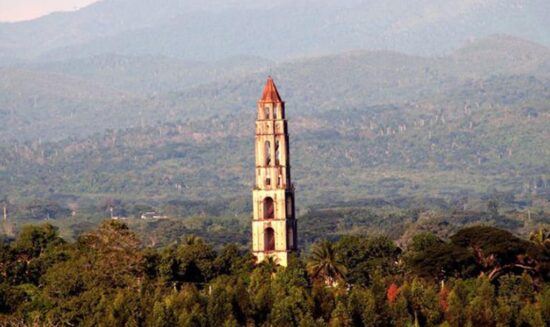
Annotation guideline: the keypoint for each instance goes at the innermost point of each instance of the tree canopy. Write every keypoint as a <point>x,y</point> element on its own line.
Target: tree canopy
<point>481,276</point>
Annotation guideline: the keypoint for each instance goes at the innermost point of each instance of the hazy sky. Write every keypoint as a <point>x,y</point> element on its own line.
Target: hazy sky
<point>16,10</point>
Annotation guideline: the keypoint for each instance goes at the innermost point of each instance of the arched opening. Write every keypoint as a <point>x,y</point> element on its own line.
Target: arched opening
<point>277,153</point>
<point>269,208</point>
<point>269,239</point>
<point>267,148</point>
<point>275,113</point>
<point>266,112</point>
<point>290,236</point>
<point>289,207</point>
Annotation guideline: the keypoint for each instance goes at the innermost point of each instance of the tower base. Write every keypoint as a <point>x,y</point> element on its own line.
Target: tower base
<point>280,257</point>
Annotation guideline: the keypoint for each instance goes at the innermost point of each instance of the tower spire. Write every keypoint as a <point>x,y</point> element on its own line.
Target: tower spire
<point>274,224</point>
<point>270,93</point>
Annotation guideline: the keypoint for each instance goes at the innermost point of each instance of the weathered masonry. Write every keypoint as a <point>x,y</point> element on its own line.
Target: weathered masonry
<point>274,223</point>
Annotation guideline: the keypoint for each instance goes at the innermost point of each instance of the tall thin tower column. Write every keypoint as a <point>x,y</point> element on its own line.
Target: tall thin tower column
<point>274,225</point>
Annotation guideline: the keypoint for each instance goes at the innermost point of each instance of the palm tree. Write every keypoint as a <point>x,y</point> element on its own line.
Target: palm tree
<point>270,265</point>
<point>323,264</point>
<point>4,204</point>
<point>192,240</point>
<point>541,237</point>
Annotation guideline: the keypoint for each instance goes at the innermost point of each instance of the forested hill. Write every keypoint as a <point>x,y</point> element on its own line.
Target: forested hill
<point>460,128</point>
<point>474,139</point>
<point>79,98</point>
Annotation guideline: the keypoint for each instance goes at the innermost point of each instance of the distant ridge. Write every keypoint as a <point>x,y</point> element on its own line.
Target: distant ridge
<point>147,90</point>
<point>213,30</point>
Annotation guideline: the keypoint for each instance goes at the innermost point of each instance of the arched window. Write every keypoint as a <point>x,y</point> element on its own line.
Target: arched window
<point>277,153</point>
<point>266,112</point>
<point>267,148</point>
<point>290,236</point>
<point>269,239</point>
<point>275,113</point>
<point>289,207</point>
<point>269,208</point>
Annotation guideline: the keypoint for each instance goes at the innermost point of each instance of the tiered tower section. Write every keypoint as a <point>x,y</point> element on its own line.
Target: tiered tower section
<point>274,223</point>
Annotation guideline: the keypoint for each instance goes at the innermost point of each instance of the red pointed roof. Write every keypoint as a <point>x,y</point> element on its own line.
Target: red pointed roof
<point>270,94</point>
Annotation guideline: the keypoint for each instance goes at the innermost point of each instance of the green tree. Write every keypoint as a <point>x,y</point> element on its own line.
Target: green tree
<point>292,302</point>
<point>362,256</point>
<point>83,287</point>
<point>425,303</point>
<point>324,301</point>
<point>514,292</point>
<point>291,306</point>
<point>221,298</point>
<point>362,305</point>
<point>261,294</point>
<point>541,237</point>
<point>189,306</point>
<point>190,262</point>
<point>456,313</point>
<point>497,251</point>
<point>232,261</point>
<point>481,306</point>
<point>424,241</point>
<point>530,315</point>
<point>401,311</point>
<point>125,310</point>
<point>340,316</point>
<point>32,241</point>
<point>163,315</point>
<point>324,266</point>
<point>543,299</point>
<point>442,260</point>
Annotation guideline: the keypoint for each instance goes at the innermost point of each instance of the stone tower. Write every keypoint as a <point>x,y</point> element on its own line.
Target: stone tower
<point>274,223</point>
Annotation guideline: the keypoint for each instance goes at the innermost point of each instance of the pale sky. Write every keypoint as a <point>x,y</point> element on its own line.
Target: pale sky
<point>17,10</point>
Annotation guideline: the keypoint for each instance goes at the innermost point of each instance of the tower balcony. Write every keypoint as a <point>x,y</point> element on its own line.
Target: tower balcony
<point>271,127</point>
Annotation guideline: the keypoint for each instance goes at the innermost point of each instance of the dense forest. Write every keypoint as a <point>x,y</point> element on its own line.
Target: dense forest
<point>480,276</point>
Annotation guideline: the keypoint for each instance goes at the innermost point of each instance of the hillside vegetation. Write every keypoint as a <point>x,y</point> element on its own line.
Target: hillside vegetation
<point>363,125</point>
<point>58,100</point>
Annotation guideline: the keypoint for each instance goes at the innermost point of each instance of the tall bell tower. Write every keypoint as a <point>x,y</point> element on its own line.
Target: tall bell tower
<point>274,222</point>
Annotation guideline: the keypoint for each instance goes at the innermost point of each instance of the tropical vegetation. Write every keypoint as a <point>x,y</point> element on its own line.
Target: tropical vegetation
<point>481,276</point>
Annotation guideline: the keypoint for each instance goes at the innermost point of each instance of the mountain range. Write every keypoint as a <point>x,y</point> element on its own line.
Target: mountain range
<point>56,100</point>
<point>153,103</point>
<point>383,124</point>
<point>275,29</point>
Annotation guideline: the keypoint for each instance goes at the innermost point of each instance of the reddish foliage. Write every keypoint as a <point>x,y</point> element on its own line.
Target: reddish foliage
<point>443,298</point>
<point>392,293</point>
